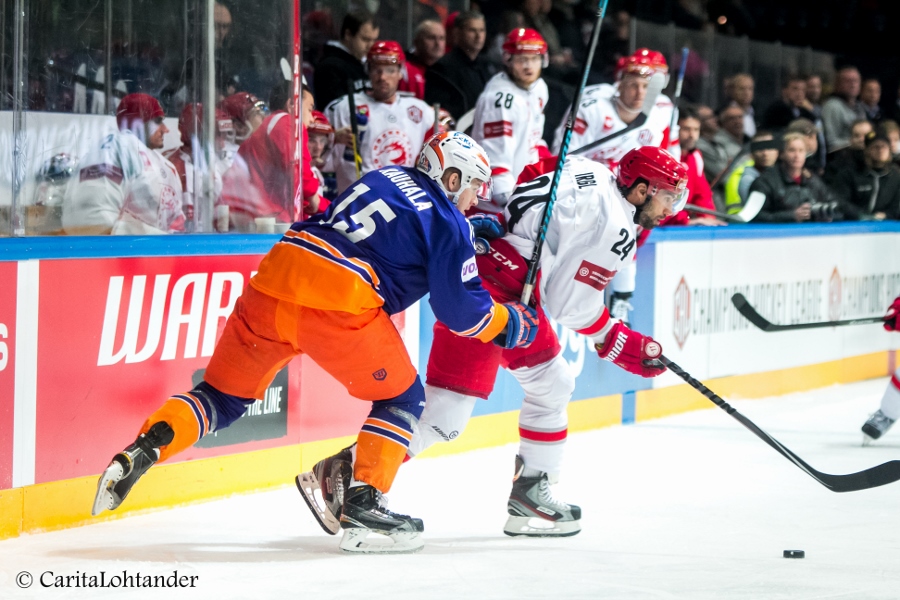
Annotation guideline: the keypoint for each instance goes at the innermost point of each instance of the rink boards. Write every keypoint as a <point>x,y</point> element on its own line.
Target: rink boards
<point>95,333</point>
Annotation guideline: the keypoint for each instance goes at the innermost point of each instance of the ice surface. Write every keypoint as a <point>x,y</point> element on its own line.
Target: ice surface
<point>690,507</point>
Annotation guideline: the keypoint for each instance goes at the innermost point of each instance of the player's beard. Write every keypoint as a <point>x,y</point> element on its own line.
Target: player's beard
<point>643,218</point>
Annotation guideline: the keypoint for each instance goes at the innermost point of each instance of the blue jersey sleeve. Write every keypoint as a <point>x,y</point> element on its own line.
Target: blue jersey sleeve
<point>457,297</point>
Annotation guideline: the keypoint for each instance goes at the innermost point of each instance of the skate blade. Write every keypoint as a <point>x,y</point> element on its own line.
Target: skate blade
<point>537,527</point>
<point>104,499</point>
<point>308,484</point>
<point>867,440</point>
<point>360,540</point>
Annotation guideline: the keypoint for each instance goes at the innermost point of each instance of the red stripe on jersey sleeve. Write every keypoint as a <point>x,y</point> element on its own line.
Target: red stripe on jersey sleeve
<point>497,129</point>
<point>598,324</point>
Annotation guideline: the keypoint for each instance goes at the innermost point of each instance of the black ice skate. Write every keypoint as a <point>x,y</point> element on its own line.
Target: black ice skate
<point>365,512</point>
<point>129,465</point>
<point>331,477</point>
<point>533,511</point>
<point>620,308</point>
<point>876,426</point>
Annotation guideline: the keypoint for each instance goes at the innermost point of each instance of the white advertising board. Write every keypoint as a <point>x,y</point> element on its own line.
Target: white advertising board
<point>788,280</point>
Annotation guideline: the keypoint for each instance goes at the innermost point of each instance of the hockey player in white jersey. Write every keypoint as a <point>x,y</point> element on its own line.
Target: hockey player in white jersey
<point>607,109</point>
<point>509,115</point>
<point>889,411</point>
<point>591,234</point>
<point>392,125</point>
<point>125,186</point>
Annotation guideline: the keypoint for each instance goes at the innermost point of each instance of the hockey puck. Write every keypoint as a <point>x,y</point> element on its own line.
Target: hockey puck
<point>794,554</point>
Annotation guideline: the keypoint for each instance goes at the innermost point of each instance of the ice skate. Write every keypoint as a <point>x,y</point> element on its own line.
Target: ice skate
<point>533,511</point>
<point>331,477</point>
<point>365,513</point>
<point>877,425</point>
<point>620,308</point>
<point>128,466</point>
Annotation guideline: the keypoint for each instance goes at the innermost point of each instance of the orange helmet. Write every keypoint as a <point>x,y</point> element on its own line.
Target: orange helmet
<point>386,52</point>
<point>320,124</point>
<point>643,63</point>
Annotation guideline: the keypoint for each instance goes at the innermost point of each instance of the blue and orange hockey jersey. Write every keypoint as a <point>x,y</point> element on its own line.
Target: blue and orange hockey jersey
<point>389,239</point>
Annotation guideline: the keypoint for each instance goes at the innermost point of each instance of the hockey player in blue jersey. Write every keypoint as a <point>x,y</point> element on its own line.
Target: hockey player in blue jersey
<point>327,289</point>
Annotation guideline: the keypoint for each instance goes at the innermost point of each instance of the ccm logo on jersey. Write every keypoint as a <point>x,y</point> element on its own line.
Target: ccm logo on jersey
<point>498,129</point>
<point>469,269</point>
<point>594,275</point>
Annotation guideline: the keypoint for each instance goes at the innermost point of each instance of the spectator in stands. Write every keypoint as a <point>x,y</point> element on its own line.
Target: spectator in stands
<point>814,95</point>
<point>568,17</point>
<point>872,190</point>
<point>709,122</point>
<point>892,130</point>
<point>850,157</point>
<point>459,77</point>
<point>807,129</point>
<point>842,109</point>
<point>536,17</point>
<point>247,112</point>
<point>792,105</point>
<point>894,113</point>
<point>698,187</point>
<point>739,92</point>
<point>125,186</point>
<point>341,67</point>
<point>793,194</point>
<point>429,40</point>
<point>764,149</point>
<point>869,99</point>
<point>720,152</point>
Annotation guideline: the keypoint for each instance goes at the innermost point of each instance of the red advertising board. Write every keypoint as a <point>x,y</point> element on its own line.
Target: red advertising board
<point>118,336</point>
<point>8,289</point>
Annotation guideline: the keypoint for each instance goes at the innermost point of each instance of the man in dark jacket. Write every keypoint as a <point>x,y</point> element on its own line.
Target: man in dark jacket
<point>792,106</point>
<point>341,66</point>
<point>792,193</point>
<point>872,191</point>
<point>459,77</point>
<point>851,157</point>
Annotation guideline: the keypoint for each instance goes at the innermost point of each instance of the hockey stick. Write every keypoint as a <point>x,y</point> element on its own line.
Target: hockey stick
<point>436,107</point>
<point>746,309</point>
<point>654,88</point>
<point>882,474</point>
<point>563,151</point>
<point>750,209</point>
<point>465,122</point>
<point>684,58</point>
<point>354,128</point>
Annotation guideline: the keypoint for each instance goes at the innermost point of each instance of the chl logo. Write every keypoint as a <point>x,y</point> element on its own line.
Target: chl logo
<point>380,374</point>
<point>681,321</point>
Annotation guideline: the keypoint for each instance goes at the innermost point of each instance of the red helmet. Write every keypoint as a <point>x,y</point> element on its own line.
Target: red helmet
<point>524,41</point>
<point>190,123</point>
<point>386,52</point>
<point>659,169</point>
<point>319,124</point>
<point>141,107</point>
<point>643,63</point>
<point>240,105</point>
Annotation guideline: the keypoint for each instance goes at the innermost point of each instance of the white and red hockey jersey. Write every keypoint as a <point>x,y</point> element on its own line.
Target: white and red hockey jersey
<point>390,134</point>
<point>509,125</point>
<point>598,118</point>
<point>125,187</point>
<point>590,237</point>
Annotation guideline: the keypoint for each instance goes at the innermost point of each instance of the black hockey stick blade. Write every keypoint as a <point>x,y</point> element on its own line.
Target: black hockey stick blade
<point>749,313</point>
<point>883,474</point>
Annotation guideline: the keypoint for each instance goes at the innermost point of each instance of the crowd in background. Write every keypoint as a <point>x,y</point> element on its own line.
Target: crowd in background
<point>822,151</point>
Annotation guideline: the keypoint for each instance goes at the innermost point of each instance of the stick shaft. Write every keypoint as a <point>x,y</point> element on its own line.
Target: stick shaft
<point>563,151</point>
